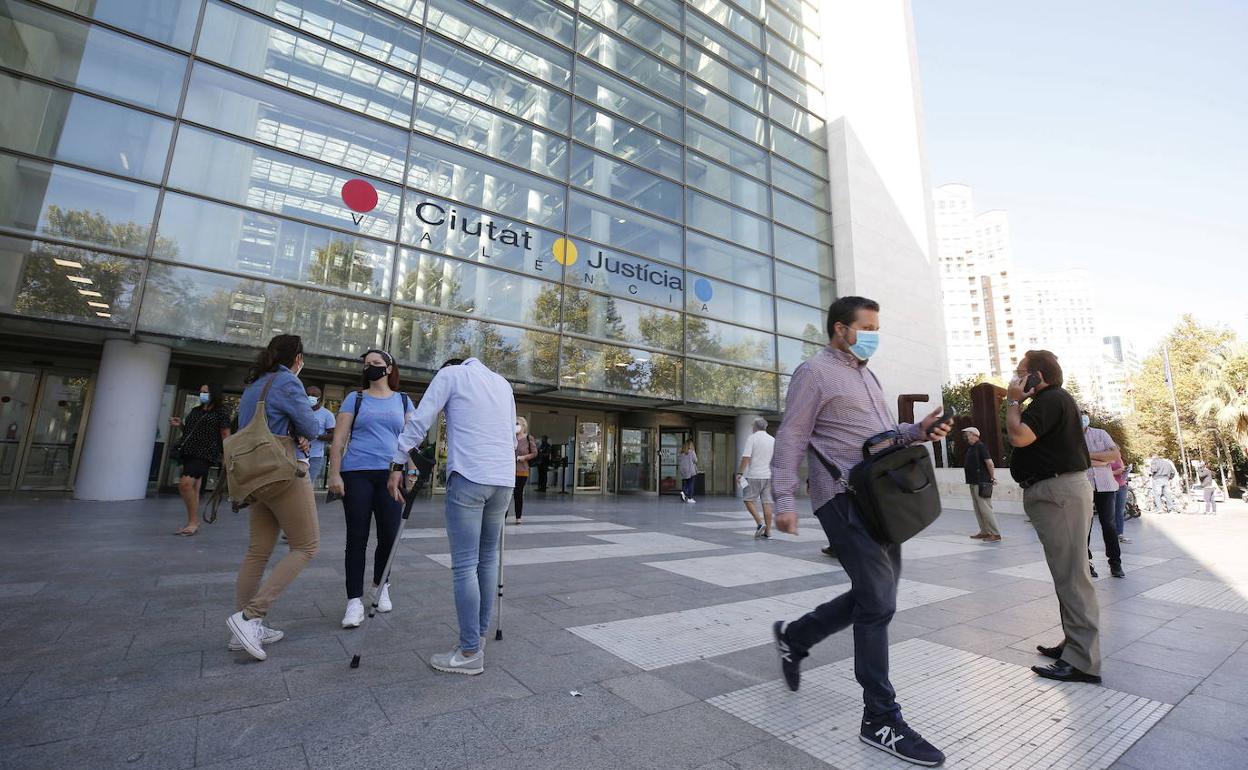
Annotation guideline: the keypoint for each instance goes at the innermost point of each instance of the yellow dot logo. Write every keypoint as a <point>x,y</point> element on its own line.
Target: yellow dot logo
<point>564,251</point>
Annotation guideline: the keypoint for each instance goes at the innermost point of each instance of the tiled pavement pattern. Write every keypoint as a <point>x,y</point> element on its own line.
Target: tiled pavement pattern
<point>1039,570</point>
<point>744,569</point>
<point>112,650</point>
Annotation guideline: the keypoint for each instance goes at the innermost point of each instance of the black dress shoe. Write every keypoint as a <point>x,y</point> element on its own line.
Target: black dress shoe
<point>1116,571</point>
<point>1064,672</point>
<point>1050,652</point>
<point>1092,570</point>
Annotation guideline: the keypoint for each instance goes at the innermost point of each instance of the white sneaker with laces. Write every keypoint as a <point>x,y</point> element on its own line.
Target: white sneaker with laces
<point>270,636</point>
<point>383,601</point>
<point>683,496</point>
<point>691,500</point>
<point>454,662</point>
<point>354,615</point>
<point>249,634</point>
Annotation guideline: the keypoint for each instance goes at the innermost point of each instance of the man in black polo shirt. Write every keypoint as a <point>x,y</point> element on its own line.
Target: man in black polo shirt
<point>1050,462</point>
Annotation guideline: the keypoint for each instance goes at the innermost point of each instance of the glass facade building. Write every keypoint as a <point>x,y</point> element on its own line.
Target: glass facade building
<point>623,201</point>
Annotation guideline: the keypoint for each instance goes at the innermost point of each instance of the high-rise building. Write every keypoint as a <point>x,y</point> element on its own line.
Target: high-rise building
<point>1119,366</point>
<point>1056,311</point>
<point>967,343</point>
<point>637,211</point>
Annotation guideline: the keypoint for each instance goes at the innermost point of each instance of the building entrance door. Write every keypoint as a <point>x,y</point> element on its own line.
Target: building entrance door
<point>670,442</point>
<point>637,459</point>
<point>715,461</point>
<point>589,454</point>
<point>42,415</point>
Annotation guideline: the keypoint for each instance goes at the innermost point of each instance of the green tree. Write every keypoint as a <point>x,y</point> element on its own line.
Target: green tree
<point>1223,405</point>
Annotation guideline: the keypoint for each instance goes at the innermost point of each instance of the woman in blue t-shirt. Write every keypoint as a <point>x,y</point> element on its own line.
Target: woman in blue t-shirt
<point>368,426</point>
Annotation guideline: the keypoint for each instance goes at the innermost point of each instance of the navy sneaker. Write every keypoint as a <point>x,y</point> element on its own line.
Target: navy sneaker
<point>790,659</point>
<point>898,739</point>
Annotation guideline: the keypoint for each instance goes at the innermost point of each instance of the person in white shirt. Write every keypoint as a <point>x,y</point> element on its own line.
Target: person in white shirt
<point>480,465</point>
<point>754,477</point>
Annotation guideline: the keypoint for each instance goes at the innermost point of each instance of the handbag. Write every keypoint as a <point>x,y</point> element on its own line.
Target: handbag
<point>257,465</point>
<point>895,488</point>
<point>985,489</point>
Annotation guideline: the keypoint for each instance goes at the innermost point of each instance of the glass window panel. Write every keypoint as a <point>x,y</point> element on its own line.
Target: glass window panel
<point>723,221</point>
<point>785,380</point>
<point>606,90</point>
<point>168,21</point>
<point>353,25</point>
<point>243,107</point>
<point>453,229</point>
<point>726,183</point>
<point>708,383</point>
<point>728,342</point>
<point>63,125</point>
<point>801,321</point>
<point>628,60</point>
<point>625,184</point>
<point>793,58</point>
<point>805,94</point>
<point>796,34</point>
<point>723,77</point>
<point>800,152</point>
<point>607,223</point>
<point>793,352</point>
<point>242,241</point>
<point>467,73</point>
<point>598,315</point>
<point>480,31</point>
<point>300,63</point>
<point>625,275</point>
<point>670,11</point>
<point>607,133</point>
<point>46,280</point>
<point>731,18</point>
<point>807,187</point>
<point>265,178</point>
<point>719,144</point>
<point>805,251</point>
<point>538,15</point>
<point>42,198</point>
<point>803,12</point>
<point>442,283</point>
<point>463,176</point>
<point>408,9</point>
<point>726,112</point>
<point>714,40</point>
<point>467,124</point>
<point>714,298</point>
<point>608,368</point>
<point>797,284</point>
<point>424,340</point>
<point>41,42</point>
<point>186,302</point>
<point>620,17</point>
<point>792,117</point>
<point>799,216</point>
<point>715,257</point>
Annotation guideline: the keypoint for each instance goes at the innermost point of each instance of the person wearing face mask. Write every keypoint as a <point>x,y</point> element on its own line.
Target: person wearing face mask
<point>368,426</point>
<point>203,430</point>
<point>526,450</point>
<point>834,405</point>
<point>1103,452</point>
<point>325,420</point>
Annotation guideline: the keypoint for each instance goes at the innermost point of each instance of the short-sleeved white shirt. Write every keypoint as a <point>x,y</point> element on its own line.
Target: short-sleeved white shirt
<point>759,447</point>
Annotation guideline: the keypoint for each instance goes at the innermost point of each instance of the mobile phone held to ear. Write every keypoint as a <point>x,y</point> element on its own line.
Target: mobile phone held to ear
<point>1032,382</point>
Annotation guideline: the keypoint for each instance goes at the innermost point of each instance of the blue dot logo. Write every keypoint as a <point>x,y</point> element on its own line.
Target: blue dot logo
<point>702,290</point>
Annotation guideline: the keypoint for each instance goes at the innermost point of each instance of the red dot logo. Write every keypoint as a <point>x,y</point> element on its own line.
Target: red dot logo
<point>359,195</point>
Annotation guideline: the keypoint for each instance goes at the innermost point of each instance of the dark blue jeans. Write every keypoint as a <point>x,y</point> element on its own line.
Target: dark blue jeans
<point>1103,511</point>
<point>868,605</point>
<point>686,486</point>
<point>364,499</point>
<point>1120,509</point>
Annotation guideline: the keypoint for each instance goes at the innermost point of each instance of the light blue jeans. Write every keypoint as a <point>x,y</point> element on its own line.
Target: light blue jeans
<point>316,470</point>
<point>474,527</point>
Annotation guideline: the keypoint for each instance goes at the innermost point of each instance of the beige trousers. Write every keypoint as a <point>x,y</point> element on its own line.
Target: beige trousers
<point>293,512</point>
<point>1061,512</point>
<point>983,512</point>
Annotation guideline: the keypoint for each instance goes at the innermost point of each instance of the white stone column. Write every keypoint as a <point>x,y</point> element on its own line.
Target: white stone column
<point>745,426</point>
<point>121,431</point>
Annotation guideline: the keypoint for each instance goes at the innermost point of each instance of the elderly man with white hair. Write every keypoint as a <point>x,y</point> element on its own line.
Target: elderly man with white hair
<point>981,474</point>
<point>754,477</point>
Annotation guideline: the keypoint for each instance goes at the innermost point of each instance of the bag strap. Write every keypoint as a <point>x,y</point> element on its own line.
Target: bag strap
<point>828,465</point>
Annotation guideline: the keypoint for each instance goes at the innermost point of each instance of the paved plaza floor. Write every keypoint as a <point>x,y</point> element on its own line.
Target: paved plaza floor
<point>635,635</point>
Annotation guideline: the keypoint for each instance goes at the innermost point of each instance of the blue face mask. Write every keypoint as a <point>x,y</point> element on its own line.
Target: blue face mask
<point>867,344</point>
<point>1084,421</point>
<point>312,401</point>
<point>203,398</point>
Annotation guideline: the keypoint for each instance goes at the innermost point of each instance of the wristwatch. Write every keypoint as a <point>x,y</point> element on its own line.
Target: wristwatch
<point>397,467</point>
<point>1012,402</point>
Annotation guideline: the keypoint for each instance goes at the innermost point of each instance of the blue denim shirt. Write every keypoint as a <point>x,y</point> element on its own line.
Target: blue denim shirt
<point>286,405</point>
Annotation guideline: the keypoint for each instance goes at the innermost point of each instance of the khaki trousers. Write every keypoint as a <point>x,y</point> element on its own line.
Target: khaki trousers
<point>983,512</point>
<point>293,511</point>
<point>1061,512</point>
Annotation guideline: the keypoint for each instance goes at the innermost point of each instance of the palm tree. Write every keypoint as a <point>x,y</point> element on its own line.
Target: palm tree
<point>1224,400</point>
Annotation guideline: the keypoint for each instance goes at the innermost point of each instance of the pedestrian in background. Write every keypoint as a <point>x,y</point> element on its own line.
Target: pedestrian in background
<point>325,422</point>
<point>981,474</point>
<point>687,468</point>
<point>755,468</point>
<point>1121,472</point>
<point>543,463</point>
<point>1102,451</point>
<point>1208,488</point>
<point>526,450</point>
<point>203,430</point>
<point>1162,472</point>
<point>368,425</point>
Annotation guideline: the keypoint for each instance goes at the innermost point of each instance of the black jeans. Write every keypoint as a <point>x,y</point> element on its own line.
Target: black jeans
<point>543,471</point>
<point>868,605</point>
<point>365,498</point>
<point>1103,509</point>
<point>517,495</point>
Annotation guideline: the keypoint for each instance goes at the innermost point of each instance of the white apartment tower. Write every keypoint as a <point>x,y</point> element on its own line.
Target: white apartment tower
<point>966,313</point>
<point>1057,311</point>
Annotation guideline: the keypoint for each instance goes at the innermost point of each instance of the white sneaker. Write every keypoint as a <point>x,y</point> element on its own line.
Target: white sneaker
<point>270,636</point>
<point>454,662</point>
<point>383,601</point>
<point>691,500</point>
<point>355,614</point>
<point>683,497</point>
<point>249,634</point>
<point>1124,539</point>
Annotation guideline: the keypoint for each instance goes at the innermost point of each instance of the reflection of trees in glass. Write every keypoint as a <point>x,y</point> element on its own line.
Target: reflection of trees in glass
<point>94,227</point>
<point>709,383</point>
<point>340,265</point>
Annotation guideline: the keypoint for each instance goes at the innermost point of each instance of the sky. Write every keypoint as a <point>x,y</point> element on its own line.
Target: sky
<point>1114,132</point>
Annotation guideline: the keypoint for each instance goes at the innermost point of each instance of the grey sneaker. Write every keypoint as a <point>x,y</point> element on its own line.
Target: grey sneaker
<point>454,662</point>
<point>758,531</point>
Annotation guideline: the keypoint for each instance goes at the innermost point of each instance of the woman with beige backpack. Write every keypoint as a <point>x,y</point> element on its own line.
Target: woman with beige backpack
<point>275,424</point>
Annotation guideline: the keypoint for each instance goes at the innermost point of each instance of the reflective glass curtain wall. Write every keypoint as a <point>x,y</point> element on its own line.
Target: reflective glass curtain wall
<point>624,197</point>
